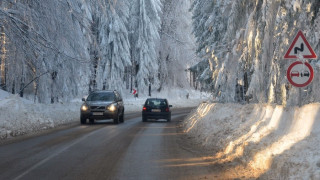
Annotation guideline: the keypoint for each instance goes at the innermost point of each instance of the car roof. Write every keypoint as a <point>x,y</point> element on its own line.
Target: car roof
<point>102,91</point>
<point>156,99</point>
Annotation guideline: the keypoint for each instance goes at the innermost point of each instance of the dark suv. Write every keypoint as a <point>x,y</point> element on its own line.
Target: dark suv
<point>155,108</point>
<point>102,105</point>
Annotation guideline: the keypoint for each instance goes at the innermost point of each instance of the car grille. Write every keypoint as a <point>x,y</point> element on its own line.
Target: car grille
<point>97,107</point>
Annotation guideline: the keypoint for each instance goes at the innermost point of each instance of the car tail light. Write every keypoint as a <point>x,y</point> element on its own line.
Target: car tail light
<point>167,109</point>
<point>144,108</point>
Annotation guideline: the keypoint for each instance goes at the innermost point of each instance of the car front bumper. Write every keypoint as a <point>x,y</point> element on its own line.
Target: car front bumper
<point>98,115</point>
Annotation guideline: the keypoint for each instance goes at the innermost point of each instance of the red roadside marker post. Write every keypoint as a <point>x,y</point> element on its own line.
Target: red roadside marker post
<point>134,92</point>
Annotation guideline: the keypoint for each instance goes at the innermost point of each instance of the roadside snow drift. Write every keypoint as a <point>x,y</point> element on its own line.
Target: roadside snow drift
<point>266,141</point>
<point>19,116</point>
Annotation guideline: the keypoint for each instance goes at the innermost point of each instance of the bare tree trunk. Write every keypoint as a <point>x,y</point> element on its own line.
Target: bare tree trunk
<point>36,85</point>
<point>3,67</point>
<point>53,83</point>
<point>22,83</point>
<point>94,53</point>
<point>131,71</point>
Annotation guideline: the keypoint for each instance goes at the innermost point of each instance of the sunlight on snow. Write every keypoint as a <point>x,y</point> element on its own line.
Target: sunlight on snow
<point>254,162</point>
<point>300,129</point>
<point>235,148</point>
<point>202,111</point>
<point>261,162</point>
<point>273,124</point>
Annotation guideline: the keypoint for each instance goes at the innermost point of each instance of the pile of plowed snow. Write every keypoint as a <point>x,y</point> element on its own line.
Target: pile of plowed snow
<point>19,116</point>
<point>254,140</point>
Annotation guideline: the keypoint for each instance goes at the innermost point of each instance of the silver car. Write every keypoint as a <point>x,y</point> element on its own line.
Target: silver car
<point>102,105</point>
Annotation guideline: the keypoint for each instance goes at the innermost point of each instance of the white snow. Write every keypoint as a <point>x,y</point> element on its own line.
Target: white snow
<point>266,141</point>
<point>19,116</point>
<point>296,5</point>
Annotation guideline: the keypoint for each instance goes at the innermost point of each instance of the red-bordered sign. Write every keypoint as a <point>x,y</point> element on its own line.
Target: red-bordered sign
<point>300,74</point>
<point>300,45</point>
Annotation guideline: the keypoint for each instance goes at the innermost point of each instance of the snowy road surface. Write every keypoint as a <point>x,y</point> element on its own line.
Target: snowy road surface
<point>132,150</point>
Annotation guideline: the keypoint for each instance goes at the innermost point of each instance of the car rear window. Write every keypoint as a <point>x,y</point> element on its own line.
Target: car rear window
<point>105,96</point>
<point>156,102</point>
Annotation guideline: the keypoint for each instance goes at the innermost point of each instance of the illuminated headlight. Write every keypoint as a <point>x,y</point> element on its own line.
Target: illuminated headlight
<point>112,107</point>
<point>84,107</point>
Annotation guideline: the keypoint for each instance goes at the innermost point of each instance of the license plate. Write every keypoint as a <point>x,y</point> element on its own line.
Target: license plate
<point>156,110</point>
<point>97,113</point>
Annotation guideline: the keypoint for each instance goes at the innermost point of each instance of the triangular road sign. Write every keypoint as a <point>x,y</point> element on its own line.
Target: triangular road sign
<point>300,45</point>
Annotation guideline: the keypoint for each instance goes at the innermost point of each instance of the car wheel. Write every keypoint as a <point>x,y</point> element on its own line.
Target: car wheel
<point>116,119</point>
<point>122,117</point>
<point>83,120</point>
<point>144,119</point>
<point>169,119</point>
<point>91,121</point>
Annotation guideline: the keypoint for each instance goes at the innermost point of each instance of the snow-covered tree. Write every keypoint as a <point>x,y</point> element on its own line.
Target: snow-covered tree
<point>110,47</point>
<point>177,45</point>
<point>144,35</point>
<point>244,43</point>
<point>61,49</point>
<point>44,45</point>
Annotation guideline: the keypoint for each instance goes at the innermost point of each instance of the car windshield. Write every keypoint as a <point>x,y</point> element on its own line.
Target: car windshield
<point>101,96</point>
<point>156,102</point>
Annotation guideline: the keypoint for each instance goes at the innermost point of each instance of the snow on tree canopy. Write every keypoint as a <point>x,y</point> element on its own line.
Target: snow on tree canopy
<point>246,41</point>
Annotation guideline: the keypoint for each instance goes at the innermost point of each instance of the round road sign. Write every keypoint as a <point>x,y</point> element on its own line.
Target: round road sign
<point>300,74</point>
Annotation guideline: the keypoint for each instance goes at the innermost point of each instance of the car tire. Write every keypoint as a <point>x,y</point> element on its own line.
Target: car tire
<point>83,120</point>
<point>91,121</point>
<point>116,119</point>
<point>122,117</point>
<point>144,119</point>
<point>169,119</point>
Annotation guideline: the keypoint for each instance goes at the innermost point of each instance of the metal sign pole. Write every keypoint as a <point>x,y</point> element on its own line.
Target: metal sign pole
<point>300,97</point>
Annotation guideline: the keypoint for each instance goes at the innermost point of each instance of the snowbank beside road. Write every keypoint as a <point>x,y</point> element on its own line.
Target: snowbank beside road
<point>266,141</point>
<point>19,116</point>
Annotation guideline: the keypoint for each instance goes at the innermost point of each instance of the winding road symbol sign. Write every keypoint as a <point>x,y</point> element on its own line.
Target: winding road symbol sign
<point>300,45</point>
<point>300,74</point>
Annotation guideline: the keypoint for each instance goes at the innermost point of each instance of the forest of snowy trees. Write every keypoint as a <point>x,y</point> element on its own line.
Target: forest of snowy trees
<point>55,51</point>
<point>242,44</point>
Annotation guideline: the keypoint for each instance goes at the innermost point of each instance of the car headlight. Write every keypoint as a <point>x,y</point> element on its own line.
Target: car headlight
<point>84,107</point>
<point>112,107</point>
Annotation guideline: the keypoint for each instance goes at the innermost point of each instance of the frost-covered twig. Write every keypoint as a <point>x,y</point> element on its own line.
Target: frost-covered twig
<point>21,90</point>
<point>182,42</point>
<point>48,44</point>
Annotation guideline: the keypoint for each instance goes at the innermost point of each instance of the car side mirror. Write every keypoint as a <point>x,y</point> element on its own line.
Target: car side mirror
<point>170,105</point>
<point>83,99</point>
